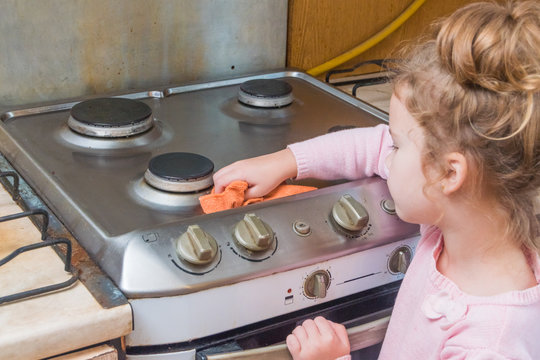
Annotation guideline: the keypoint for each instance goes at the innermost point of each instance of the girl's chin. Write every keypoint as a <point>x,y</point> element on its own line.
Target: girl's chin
<point>406,217</point>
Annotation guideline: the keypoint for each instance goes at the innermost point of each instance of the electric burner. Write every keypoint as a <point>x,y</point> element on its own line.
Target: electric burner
<point>265,93</point>
<point>110,117</point>
<point>180,172</point>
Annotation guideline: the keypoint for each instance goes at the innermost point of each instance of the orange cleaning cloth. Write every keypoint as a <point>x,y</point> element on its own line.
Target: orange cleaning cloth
<point>233,196</point>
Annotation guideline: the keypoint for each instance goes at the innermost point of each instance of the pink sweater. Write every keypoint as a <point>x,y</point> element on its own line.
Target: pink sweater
<point>432,317</point>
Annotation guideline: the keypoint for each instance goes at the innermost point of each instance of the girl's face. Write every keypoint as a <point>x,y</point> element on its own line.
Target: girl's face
<point>406,179</point>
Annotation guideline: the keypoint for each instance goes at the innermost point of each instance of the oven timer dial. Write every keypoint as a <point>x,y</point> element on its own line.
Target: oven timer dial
<point>316,284</point>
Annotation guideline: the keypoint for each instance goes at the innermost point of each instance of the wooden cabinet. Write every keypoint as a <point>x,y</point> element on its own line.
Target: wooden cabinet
<point>319,30</point>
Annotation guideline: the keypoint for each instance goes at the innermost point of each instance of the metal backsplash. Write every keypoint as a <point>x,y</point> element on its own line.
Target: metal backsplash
<point>59,49</point>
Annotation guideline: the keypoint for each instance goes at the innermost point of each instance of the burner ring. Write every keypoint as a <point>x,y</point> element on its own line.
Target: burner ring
<point>177,186</point>
<point>110,117</point>
<point>180,172</point>
<point>154,198</point>
<point>265,93</point>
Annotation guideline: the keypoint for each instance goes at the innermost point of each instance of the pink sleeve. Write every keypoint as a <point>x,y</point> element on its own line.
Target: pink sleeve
<point>347,154</point>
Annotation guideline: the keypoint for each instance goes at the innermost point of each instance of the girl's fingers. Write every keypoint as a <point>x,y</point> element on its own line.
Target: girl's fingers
<point>293,344</point>
<point>324,325</point>
<point>341,332</point>
<point>311,328</point>
<point>300,333</point>
<point>254,192</point>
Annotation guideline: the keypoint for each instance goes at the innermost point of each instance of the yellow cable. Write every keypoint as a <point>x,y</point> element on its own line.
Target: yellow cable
<point>372,41</point>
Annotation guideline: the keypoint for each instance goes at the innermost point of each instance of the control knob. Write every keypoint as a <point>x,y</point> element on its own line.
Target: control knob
<point>196,246</point>
<point>316,284</point>
<point>349,214</point>
<point>253,233</point>
<point>400,260</point>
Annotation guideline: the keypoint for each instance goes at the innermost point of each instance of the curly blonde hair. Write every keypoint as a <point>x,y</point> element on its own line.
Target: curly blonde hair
<point>474,87</point>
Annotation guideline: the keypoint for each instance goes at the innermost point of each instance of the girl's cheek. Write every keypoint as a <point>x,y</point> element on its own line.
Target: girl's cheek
<point>390,184</point>
<point>388,160</point>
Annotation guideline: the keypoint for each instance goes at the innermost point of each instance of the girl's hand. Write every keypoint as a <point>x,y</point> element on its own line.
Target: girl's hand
<point>318,339</point>
<point>262,173</point>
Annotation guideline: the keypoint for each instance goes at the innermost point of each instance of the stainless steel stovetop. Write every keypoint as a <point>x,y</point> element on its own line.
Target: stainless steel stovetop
<point>96,185</point>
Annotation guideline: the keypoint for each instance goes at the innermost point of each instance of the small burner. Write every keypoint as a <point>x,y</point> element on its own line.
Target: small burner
<point>110,117</point>
<point>179,172</point>
<point>265,93</point>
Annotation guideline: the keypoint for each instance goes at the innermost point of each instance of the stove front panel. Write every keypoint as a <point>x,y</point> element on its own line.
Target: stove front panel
<point>163,320</point>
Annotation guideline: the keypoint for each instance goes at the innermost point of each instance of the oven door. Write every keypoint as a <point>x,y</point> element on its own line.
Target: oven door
<point>365,314</point>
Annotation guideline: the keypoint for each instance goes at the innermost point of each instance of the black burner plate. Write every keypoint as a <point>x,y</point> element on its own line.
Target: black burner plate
<point>111,112</point>
<point>180,166</point>
<point>266,88</point>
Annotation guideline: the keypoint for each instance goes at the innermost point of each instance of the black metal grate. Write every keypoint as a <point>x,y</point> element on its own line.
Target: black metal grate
<point>47,241</point>
<point>381,77</point>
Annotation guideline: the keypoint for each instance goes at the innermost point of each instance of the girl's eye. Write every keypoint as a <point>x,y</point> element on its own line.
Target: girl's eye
<point>393,147</point>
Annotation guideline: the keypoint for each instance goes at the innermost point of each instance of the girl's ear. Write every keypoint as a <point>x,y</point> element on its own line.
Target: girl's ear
<point>456,164</point>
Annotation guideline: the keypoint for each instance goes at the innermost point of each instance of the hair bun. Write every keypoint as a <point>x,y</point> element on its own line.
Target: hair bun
<point>493,46</point>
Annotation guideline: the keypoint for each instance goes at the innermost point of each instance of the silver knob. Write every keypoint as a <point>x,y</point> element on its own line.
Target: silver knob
<point>253,233</point>
<point>400,260</point>
<point>350,214</point>
<point>388,206</point>
<point>316,284</point>
<point>301,228</point>
<point>196,246</point>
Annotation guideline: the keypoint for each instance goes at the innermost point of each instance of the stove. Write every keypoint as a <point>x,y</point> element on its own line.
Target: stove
<point>124,174</point>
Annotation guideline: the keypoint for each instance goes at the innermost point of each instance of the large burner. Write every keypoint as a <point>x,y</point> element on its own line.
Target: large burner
<point>265,93</point>
<point>110,117</point>
<point>180,172</point>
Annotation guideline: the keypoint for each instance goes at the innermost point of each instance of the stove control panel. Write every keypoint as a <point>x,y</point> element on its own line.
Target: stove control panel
<point>251,242</point>
<point>282,292</point>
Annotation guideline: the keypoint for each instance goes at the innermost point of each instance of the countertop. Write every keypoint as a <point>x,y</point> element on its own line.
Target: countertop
<point>376,95</point>
<point>52,323</point>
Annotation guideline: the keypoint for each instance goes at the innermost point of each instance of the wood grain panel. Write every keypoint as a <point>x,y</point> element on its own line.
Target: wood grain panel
<point>320,30</point>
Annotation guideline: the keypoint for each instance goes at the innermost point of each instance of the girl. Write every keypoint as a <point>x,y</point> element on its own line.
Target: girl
<point>461,154</point>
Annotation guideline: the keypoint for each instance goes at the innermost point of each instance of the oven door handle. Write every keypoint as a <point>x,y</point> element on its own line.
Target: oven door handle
<point>360,337</point>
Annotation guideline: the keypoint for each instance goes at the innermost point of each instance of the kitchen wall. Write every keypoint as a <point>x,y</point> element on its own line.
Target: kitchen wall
<point>59,49</point>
